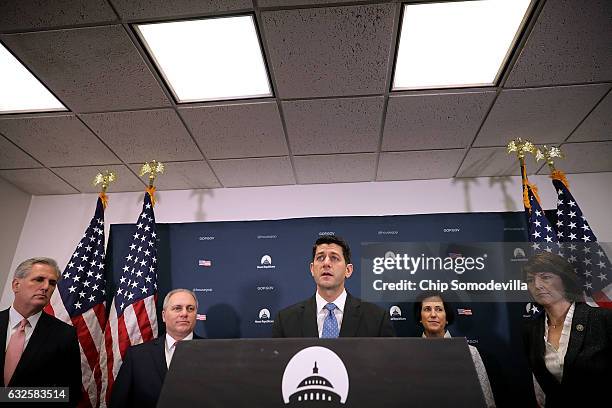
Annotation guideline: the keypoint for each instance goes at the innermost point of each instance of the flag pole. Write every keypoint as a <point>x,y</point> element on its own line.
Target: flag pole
<point>520,147</point>
<point>153,168</point>
<point>104,178</point>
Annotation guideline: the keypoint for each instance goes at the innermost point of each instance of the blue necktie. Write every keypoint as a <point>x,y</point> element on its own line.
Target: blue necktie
<point>330,324</point>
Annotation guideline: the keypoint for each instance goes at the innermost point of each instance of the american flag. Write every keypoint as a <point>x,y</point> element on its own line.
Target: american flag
<point>132,318</point>
<point>592,265</point>
<point>80,300</point>
<point>540,229</point>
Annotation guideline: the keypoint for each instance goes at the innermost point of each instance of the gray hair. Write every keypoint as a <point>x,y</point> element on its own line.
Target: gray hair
<point>173,291</point>
<point>26,266</point>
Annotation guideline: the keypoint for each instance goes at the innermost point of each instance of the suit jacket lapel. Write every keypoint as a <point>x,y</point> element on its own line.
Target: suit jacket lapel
<point>4,321</point>
<point>39,337</point>
<point>578,329</point>
<point>309,318</point>
<point>159,356</point>
<point>350,317</point>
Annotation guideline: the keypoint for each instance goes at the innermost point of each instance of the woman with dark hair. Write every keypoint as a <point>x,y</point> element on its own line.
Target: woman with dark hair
<point>569,347</point>
<point>434,315</point>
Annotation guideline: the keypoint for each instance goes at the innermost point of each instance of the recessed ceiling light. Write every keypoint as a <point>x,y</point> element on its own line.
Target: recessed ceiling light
<point>20,91</point>
<point>456,44</point>
<point>208,59</point>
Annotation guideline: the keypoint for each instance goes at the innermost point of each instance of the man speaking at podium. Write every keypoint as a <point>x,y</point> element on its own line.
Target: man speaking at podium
<point>332,311</point>
<point>145,365</point>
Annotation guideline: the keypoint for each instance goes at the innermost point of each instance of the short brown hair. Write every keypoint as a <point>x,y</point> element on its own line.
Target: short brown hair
<point>549,262</point>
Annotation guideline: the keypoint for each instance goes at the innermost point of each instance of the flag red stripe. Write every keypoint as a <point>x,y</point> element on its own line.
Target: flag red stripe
<point>144,324</point>
<point>49,309</point>
<point>90,348</point>
<point>123,336</point>
<point>108,343</point>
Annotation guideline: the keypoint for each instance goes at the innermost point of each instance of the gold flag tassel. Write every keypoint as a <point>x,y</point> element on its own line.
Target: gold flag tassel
<point>104,178</point>
<point>153,169</point>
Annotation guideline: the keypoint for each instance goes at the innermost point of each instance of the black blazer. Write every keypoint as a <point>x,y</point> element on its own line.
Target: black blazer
<point>360,319</point>
<point>141,376</point>
<point>52,357</point>
<point>587,367</point>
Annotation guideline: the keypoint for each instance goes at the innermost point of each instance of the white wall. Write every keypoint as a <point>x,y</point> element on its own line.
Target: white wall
<point>14,204</point>
<point>54,224</point>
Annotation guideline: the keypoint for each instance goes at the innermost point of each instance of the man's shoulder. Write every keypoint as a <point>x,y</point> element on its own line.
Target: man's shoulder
<point>55,325</point>
<point>365,307</point>
<point>296,307</point>
<point>148,345</point>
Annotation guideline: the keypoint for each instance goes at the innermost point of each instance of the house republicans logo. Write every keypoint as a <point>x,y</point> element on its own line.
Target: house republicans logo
<point>266,262</point>
<point>315,377</point>
<point>518,255</point>
<point>396,313</point>
<point>264,317</point>
<point>531,310</point>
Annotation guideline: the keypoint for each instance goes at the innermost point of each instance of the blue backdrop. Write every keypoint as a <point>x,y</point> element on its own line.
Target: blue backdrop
<point>244,272</point>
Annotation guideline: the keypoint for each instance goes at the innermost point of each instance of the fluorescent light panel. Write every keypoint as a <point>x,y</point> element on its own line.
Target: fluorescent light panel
<point>456,44</point>
<point>20,91</point>
<point>209,59</point>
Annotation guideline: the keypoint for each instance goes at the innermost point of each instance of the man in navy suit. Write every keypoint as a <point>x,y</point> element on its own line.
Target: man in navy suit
<point>144,367</point>
<point>332,311</point>
<point>38,350</point>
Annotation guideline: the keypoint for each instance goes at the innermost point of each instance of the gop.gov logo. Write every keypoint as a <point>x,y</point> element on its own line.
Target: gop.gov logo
<point>266,262</point>
<point>315,377</point>
<point>264,317</point>
<point>531,310</point>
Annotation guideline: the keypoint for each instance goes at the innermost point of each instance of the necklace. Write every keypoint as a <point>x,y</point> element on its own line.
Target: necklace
<point>553,324</point>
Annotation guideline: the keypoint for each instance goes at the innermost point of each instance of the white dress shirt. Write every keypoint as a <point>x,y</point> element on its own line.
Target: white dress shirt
<point>14,319</point>
<point>553,358</point>
<point>322,312</point>
<point>171,346</point>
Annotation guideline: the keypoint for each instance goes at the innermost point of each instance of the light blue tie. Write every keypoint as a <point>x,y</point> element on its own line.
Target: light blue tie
<point>330,324</point>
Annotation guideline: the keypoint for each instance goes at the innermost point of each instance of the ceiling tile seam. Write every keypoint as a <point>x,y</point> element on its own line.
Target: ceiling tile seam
<point>186,16</point>
<point>484,119</point>
<point>274,85</point>
<point>63,27</point>
<point>108,147</point>
<point>64,180</point>
<point>566,140</point>
<point>332,97</point>
<point>388,80</point>
<point>162,84</point>
<point>307,6</point>
<point>563,85</point>
<point>24,151</point>
<point>527,29</point>
<point>68,109</point>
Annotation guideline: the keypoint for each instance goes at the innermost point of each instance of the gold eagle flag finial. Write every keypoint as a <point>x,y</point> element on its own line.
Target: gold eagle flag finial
<point>153,168</point>
<point>105,178</point>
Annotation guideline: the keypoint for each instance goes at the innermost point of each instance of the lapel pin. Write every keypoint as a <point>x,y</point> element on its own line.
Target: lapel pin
<point>579,327</point>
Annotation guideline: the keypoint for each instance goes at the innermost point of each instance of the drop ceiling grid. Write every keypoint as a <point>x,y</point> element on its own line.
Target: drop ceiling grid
<point>298,138</point>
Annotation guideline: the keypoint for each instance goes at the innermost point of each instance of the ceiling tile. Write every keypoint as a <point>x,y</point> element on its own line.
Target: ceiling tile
<point>333,125</point>
<point>60,140</point>
<point>36,14</point>
<point>89,69</point>
<point>37,181</point>
<point>590,157</point>
<point>335,168</point>
<point>598,125</point>
<point>427,164</point>
<point>284,3</point>
<point>238,130</point>
<point>151,9</point>
<point>570,43</point>
<point>444,121</point>
<point>141,136</point>
<point>268,171</point>
<point>12,157</point>
<point>184,176</point>
<point>330,51</point>
<point>82,177</point>
<point>491,161</point>
<point>542,115</point>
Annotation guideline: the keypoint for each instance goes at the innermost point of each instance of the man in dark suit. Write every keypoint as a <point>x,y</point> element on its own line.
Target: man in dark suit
<point>332,311</point>
<point>38,350</point>
<point>144,367</point>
